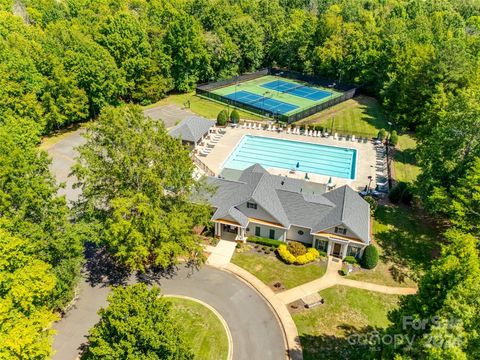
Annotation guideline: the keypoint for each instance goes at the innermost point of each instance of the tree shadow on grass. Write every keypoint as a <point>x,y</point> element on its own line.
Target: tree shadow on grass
<point>101,268</point>
<point>357,343</point>
<point>408,242</point>
<point>406,156</point>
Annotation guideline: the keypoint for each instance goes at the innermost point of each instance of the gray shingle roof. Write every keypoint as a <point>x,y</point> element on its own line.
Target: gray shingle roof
<point>191,128</point>
<point>291,202</point>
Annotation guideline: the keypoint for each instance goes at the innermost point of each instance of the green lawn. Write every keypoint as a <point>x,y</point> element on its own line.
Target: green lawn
<point>324,330</point>
<point>269,269</point>
<point>405,162</point>
<point>407,243</point>
<point>205,331</point>
<point>203,107</point>
<point>361,116</point>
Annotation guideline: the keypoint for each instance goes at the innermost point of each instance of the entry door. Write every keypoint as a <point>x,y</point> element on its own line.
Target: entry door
<point>336,249</point>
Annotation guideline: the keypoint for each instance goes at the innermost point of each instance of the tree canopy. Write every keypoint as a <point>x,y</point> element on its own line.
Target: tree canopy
<point>77,57</point>
<point>138,324</point>
<point>136,185</point>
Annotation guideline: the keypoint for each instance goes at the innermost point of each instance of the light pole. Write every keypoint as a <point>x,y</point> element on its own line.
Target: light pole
<point>389,128</point>
<point>370,178</point>
<point>278,81</point>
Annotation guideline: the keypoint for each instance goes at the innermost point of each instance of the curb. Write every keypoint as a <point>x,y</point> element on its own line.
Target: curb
<point>292,346</point>
<point>217,314</point>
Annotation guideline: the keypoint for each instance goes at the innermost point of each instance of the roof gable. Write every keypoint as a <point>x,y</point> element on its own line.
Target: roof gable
<point>191,128</point>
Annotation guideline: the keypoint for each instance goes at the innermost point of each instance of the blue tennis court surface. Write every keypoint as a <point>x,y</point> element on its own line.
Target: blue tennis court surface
<point>287,154</point>
<point>261,102</point>
<point>305,92</point>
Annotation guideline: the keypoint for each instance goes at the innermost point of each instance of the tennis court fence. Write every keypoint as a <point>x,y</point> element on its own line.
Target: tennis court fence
<point>348,92</point>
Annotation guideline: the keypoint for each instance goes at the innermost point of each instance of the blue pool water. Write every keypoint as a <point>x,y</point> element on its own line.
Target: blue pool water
<point>285,154</point>
<point>261,102</point>
<point>305,92</point>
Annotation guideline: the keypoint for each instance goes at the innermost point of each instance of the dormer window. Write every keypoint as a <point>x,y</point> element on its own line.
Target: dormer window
<point>340,230</point>
<point>251,205</point>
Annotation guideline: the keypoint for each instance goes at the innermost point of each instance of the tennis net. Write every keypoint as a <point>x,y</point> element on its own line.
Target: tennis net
<point>294,88</point>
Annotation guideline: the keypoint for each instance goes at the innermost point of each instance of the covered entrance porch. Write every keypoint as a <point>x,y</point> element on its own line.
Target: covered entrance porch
<point>230,231</point>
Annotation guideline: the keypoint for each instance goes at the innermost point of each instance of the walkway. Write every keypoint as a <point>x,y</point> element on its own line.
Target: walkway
<point>329,279</point>
<point>332,278</point>
<point>221,254</point>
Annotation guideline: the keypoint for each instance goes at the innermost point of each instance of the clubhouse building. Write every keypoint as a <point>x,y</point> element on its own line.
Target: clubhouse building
<point>254,202</point>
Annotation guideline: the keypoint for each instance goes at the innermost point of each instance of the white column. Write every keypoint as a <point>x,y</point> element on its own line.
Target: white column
<point>344,250</point>
<point>329,247</point>
<point>285,236</point>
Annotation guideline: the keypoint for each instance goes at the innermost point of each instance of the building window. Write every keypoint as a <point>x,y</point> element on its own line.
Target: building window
<point>300,232</point>
<point>257,230</point>
<point>272,234</point>
<point>340,230</point>
<point>353,251</point>
<point>251,205</point>
<point>322,245</point>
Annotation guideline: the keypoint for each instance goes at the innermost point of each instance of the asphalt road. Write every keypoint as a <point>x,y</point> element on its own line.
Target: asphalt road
<point>255,331</point>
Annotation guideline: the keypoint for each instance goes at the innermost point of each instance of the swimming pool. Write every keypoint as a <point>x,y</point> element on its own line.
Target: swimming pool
<point>287,154</point>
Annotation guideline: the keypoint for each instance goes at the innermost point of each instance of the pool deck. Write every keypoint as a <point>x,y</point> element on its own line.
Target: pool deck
<point>366,156</point>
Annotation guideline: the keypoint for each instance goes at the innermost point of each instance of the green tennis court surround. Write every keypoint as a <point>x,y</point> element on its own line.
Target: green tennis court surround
<point>277,97</point>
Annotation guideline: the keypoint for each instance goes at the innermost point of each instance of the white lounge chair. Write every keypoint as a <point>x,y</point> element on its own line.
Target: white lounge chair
<point>259,126</point>
<point>319,133</point>
<point>353,137</point>
<point>269,127</point>
<point>274,128</point>
<point>335,136</point>
<point>288,130</point>
<point>297,131</point>
<point>310,132</point>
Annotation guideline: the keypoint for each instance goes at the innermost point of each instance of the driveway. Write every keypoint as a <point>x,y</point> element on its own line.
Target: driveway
<point>255,330</point>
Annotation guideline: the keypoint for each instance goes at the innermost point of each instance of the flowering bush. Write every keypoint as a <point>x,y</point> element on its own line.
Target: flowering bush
<point>311,255</point>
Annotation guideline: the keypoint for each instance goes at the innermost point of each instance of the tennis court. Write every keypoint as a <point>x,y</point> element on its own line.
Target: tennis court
<point>302,91</point>
<point>262,102</point>
<point>276,96</point>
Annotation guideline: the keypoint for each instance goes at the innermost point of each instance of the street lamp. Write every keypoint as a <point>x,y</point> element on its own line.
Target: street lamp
<point>370,178</point>
<point>278,81</point>
<point>389,128</point>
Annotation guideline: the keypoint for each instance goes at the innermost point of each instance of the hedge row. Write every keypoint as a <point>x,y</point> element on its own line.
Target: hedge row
<point>265,241</point>
<point>311,255</point>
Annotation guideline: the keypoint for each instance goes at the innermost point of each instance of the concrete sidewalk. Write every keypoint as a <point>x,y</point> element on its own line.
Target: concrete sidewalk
<point>332,278</point>
<point>329,279</point>
<point>375,287</point>
<point>221,254</point>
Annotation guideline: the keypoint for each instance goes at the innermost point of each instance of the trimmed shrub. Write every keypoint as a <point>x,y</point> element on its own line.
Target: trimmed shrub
<point>289,258</point>
<point>265,241</point>
<point>394,138</point>
<point>372,202</point>
<point>401,193</point>
<point>222,118</point>
<point>381,134</point>
<point>322,253</point>
<point>350,260</point>
<point>343,272</point>
<point>285,254</point>
<point>296,248</point>
<point>370,257</point>
<point>234,116</point>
